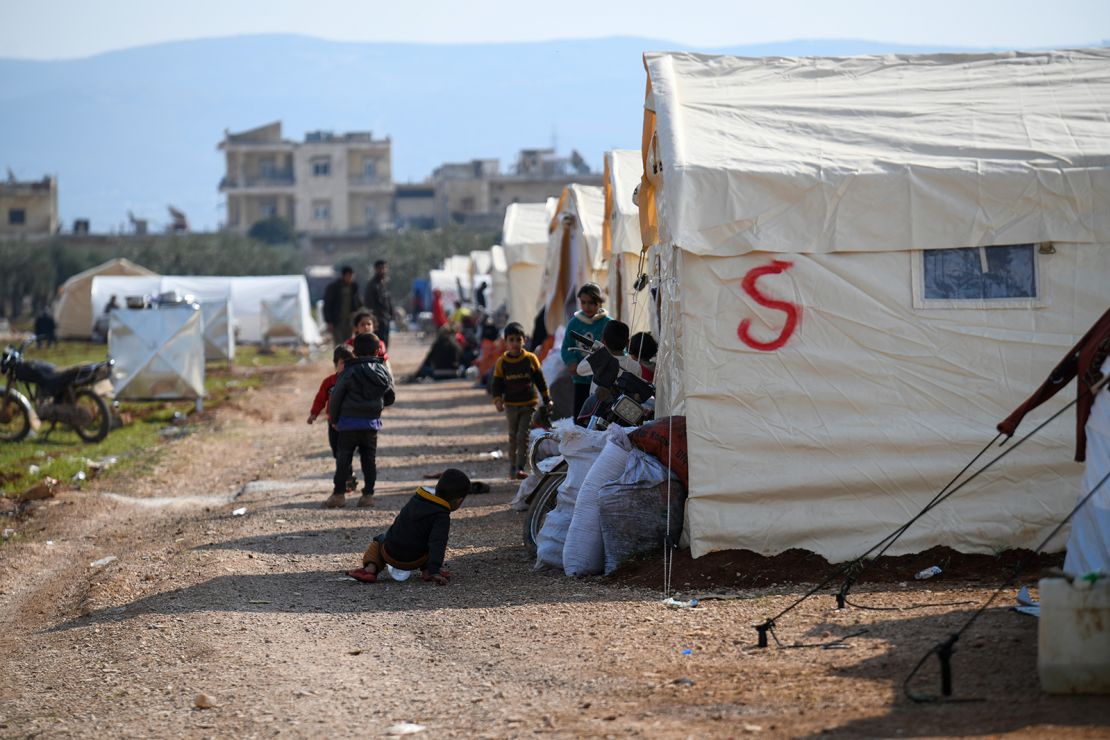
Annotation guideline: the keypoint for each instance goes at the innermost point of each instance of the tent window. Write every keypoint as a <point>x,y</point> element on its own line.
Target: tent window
<point>1004,276</point>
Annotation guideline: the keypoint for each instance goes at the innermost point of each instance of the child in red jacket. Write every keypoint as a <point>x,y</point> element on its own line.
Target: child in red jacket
<point>342,354</point>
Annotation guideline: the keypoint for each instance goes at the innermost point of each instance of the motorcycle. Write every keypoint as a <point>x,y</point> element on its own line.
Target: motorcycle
<point>620,399</point>
<point>58,396</point>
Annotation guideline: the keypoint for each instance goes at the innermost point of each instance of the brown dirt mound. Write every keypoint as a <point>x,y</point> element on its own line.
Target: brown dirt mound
<point>735,569</point>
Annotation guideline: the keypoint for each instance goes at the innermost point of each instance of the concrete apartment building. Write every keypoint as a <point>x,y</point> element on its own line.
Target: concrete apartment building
<point>28,208</point>
<point>327,184</point>
<point>476,193</point>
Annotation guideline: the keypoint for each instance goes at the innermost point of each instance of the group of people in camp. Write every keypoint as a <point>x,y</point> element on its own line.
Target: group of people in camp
<point>354,396</point>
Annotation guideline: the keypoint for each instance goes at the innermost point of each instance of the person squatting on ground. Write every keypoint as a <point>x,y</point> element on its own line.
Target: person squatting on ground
<point>340,356</point>
<point>590,321</point>
<point>418,536</point>
<point>614,340</point>
<point>361,391</point>
<point>516,378</point>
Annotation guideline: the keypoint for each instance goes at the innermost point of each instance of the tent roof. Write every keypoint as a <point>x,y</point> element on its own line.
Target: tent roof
<point>624,168</point>
<point>879,152</point>
<point>115,266</point>
<point>587,204</point>
<point>524,233</point>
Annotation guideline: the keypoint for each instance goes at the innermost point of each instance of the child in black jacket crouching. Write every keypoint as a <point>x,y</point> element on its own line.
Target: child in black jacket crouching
<point>418,536</point>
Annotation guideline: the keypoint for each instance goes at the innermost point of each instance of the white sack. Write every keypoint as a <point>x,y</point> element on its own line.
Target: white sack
<point>583,554</point>
<point>580,447</point>
<point>1089,542</point>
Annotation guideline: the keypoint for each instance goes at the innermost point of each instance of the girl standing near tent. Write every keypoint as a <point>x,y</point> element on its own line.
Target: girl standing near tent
<point>590,320</point>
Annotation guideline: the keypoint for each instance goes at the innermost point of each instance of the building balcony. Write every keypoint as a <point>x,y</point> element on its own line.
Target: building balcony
<point>366,184</point>
<point>275,180</point>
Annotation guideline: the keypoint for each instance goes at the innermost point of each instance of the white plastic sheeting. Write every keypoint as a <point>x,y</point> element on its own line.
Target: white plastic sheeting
<point>281,319</point>
<point>623,169</point>
<point>826,402</point>
<point>580,447</point>
<point>219,330</point>
<point>159,353</point>
<point>1089,541</point>
<point>246,294</point>
<point>524,239</point>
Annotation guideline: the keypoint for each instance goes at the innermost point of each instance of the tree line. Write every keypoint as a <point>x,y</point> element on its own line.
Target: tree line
<point>31,272</point>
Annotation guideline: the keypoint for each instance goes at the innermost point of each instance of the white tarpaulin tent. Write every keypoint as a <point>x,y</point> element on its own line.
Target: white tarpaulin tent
<point>574,255</point>
<point>621,241</point>
<point>246,294</point>
<point>76,311</point>
<point>281,319</point>
<point>219,330</point>
<point>524,239</point>
<point>499,279</point>
<point>862,262</point>
<point>159,353</point>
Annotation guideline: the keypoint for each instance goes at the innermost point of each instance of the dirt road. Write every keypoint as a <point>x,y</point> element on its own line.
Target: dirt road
<point>253,611</point>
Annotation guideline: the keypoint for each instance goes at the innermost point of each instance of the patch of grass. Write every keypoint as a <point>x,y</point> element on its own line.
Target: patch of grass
<point>139,442</point>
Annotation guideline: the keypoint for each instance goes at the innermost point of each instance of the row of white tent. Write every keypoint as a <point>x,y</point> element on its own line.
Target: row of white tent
<point>252,300</point>
<point>589,234</point>
<point>858,266</point>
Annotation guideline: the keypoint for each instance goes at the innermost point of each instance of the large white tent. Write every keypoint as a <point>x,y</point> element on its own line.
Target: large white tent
<point>499,278</point>
<point>524,239</point>
<point>621,240</point>
<point>245,294</point>
<point>861,262</point>
<point>76,311</point>
<point>574,253</point>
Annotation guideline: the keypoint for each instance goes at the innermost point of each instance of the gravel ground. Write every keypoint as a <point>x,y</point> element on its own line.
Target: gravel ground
<point>254,613</point>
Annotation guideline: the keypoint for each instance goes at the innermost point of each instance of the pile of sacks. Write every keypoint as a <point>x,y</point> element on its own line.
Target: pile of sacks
<point>617,501</point>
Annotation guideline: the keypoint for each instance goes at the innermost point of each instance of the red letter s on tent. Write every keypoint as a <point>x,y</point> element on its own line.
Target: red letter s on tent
<point>792,312</point>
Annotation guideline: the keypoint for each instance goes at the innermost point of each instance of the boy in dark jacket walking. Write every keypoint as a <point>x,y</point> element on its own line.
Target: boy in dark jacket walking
<point>361,392</point>
<point>418,536</point>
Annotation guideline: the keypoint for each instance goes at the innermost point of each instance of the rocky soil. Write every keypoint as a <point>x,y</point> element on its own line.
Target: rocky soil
<point>212,625</point>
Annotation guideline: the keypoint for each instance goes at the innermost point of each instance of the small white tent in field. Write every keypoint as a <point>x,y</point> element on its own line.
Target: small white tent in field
<point>574,252</point>
<point>498,293</point>
<point>621,241</point>
<point>245,293</point>
<point>524,239</point>
<point>862,262</point>
<point>76,311</point>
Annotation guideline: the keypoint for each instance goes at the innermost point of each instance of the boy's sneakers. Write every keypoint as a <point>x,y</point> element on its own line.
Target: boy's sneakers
<point>361,574</point>
<point>521,475</point>
<point>365,500</point>
<point>334,501</point>
<point>352,485</point>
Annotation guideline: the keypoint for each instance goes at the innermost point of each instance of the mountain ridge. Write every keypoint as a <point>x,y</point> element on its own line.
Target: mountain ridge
<point>137,129</point>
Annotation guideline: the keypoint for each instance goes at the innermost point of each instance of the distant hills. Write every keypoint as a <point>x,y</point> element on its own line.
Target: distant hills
<point>137,129</point>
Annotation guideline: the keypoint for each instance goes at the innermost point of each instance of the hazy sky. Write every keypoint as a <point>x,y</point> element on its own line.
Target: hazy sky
<point>52,29</point>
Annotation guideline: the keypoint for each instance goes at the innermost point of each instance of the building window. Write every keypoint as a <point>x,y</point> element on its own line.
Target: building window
<point>267,167</point>
<point>17,216</point>
<point>321,210</point>
<point>321,166</point>
<point>370,214</point>
<point>467,205</point>
<point>978,277</point>
<point>369,169</point>
<point>268,208</point>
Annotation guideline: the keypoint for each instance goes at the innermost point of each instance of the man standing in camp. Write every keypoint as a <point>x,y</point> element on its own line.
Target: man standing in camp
<point>379,301</point>
<point>341,300</point>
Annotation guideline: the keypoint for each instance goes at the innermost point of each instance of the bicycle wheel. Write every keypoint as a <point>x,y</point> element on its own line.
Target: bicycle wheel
<point>544,499</point>
<point>92,420</point>
<point>15,416</point>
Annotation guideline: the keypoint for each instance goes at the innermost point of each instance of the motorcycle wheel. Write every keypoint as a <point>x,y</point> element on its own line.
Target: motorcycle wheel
<point>95,411</point>
<point>543,501</point>
<point>15,417</point>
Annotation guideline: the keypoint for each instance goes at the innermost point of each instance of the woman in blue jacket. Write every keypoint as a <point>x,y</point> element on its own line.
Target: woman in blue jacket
<point>589,320</point>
